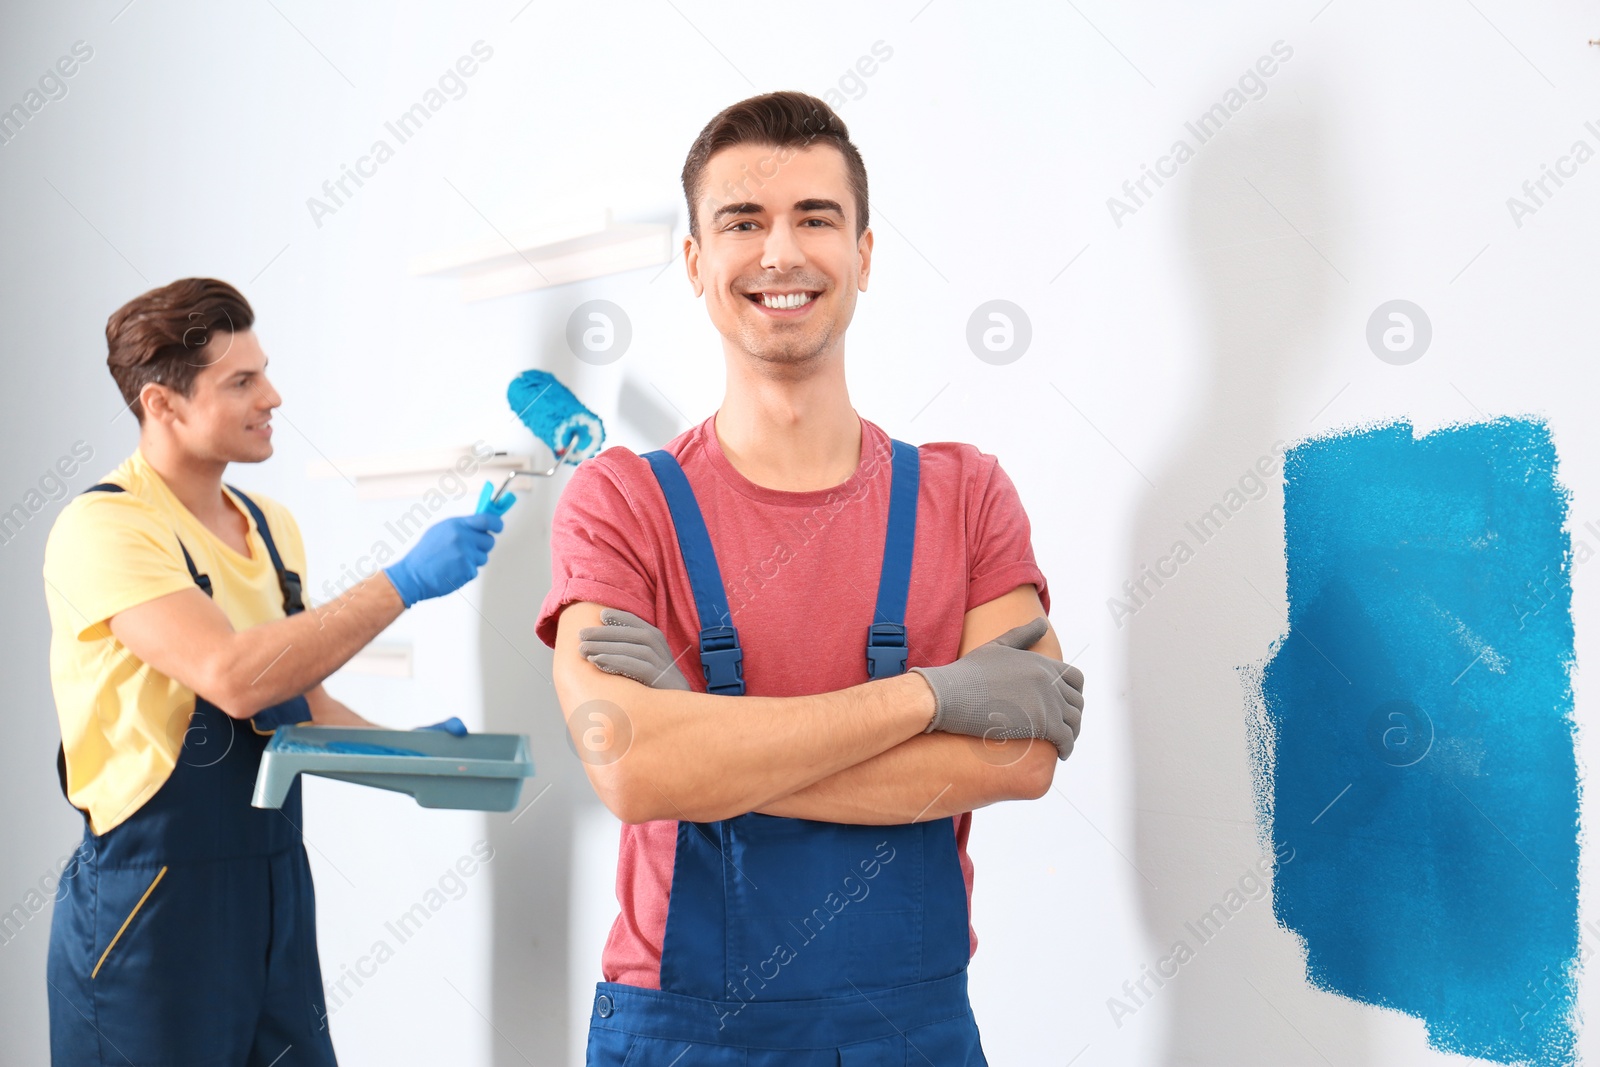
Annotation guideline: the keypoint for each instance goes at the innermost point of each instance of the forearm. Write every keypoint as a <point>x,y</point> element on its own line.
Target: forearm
<point>701,758</point>
<point>326,711</point>
<point>268,664</point>
<point>930,776</point>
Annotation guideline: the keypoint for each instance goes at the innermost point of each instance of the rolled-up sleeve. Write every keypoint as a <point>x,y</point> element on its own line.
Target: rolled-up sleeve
<point>599,549</point>
<point>1001,540</point>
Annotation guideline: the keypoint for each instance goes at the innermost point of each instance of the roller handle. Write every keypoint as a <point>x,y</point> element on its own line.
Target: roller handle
<point>498,501</point>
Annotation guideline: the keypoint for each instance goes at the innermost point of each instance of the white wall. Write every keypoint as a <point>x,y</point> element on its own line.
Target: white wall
<point>1226,313</point>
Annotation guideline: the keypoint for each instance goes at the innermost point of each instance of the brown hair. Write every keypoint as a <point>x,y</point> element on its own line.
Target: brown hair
<point>781,120</point>
<point>159,337</point>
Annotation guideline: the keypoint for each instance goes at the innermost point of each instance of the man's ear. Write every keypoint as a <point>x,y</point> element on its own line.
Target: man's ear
<point>691,264</point>
<point>864,250</point>
<point>156,402</point>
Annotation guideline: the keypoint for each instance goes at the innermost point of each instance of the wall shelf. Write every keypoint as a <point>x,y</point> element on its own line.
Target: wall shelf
<point>573,248</point>
<point>381,659</point>
<point>412,474</point>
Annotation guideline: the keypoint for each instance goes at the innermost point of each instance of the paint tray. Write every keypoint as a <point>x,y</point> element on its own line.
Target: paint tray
<point>480,772</point>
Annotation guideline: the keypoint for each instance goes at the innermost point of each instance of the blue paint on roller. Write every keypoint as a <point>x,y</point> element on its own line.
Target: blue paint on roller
<point>1418,749</point>
<point>549,409</point>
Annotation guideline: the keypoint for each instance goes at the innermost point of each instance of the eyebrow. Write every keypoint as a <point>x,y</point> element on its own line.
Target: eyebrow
<point>749,207</point>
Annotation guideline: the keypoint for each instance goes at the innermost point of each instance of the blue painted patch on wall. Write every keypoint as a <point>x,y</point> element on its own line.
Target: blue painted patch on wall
<point>1414,741</point>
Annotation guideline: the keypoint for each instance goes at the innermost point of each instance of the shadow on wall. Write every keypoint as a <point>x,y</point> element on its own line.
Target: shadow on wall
<point>1210,530</point>
<point>533,971</point>
<point>533,854</point>
<point>532,867</point>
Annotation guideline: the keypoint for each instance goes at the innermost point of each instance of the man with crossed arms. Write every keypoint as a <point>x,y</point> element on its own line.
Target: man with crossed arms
<point>793,878</point>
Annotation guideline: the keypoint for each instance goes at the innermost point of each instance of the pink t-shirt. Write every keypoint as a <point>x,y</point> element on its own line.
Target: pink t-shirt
<point>801,574</point>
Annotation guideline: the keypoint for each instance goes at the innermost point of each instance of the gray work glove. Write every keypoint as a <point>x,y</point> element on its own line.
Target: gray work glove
<point>626,644</point>
<point>1002,690</point>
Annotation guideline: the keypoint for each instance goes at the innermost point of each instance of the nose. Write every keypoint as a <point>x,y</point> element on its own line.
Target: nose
<point>781,252</point>
<point>268,396</point>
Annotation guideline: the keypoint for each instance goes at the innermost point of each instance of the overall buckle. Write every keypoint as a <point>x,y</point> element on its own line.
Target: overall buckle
<point>289,584</point>
<point>886,649</point>
<point>722,659</point>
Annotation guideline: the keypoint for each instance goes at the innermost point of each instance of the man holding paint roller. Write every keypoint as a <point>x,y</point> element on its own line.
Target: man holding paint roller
<point>180,640</point>
<point>793,878</point>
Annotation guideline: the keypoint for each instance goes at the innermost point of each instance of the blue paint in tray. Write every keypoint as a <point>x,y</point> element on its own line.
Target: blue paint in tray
<point>346,748</point>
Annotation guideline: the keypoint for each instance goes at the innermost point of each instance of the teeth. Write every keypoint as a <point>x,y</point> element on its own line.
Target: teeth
<point>791,300</point>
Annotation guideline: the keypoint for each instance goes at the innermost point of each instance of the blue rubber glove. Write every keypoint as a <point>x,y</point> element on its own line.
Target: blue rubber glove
<point>499,507</point>
<point>452,726</point>
<point>445,558</point>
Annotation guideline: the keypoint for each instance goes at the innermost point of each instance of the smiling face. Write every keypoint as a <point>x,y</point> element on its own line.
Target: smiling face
<point>777,259</point>
<point>227,415</point>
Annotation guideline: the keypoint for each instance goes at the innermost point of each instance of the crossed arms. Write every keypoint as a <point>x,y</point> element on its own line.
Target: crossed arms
<point>857,755</point>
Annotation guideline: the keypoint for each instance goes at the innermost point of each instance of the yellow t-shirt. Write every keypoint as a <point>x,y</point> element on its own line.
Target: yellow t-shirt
<point>123,723</point>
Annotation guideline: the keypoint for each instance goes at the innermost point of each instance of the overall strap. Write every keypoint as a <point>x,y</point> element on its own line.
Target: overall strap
<point>288,581</point>
<point>720,656</point>
<point>202,580</point>
<point>886,638</point>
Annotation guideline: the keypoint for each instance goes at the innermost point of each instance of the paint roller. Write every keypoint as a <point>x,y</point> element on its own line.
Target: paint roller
<point>547,408</point>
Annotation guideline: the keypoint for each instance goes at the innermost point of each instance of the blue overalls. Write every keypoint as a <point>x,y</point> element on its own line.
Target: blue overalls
<point>790,942</point>
<point>188,937</point>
